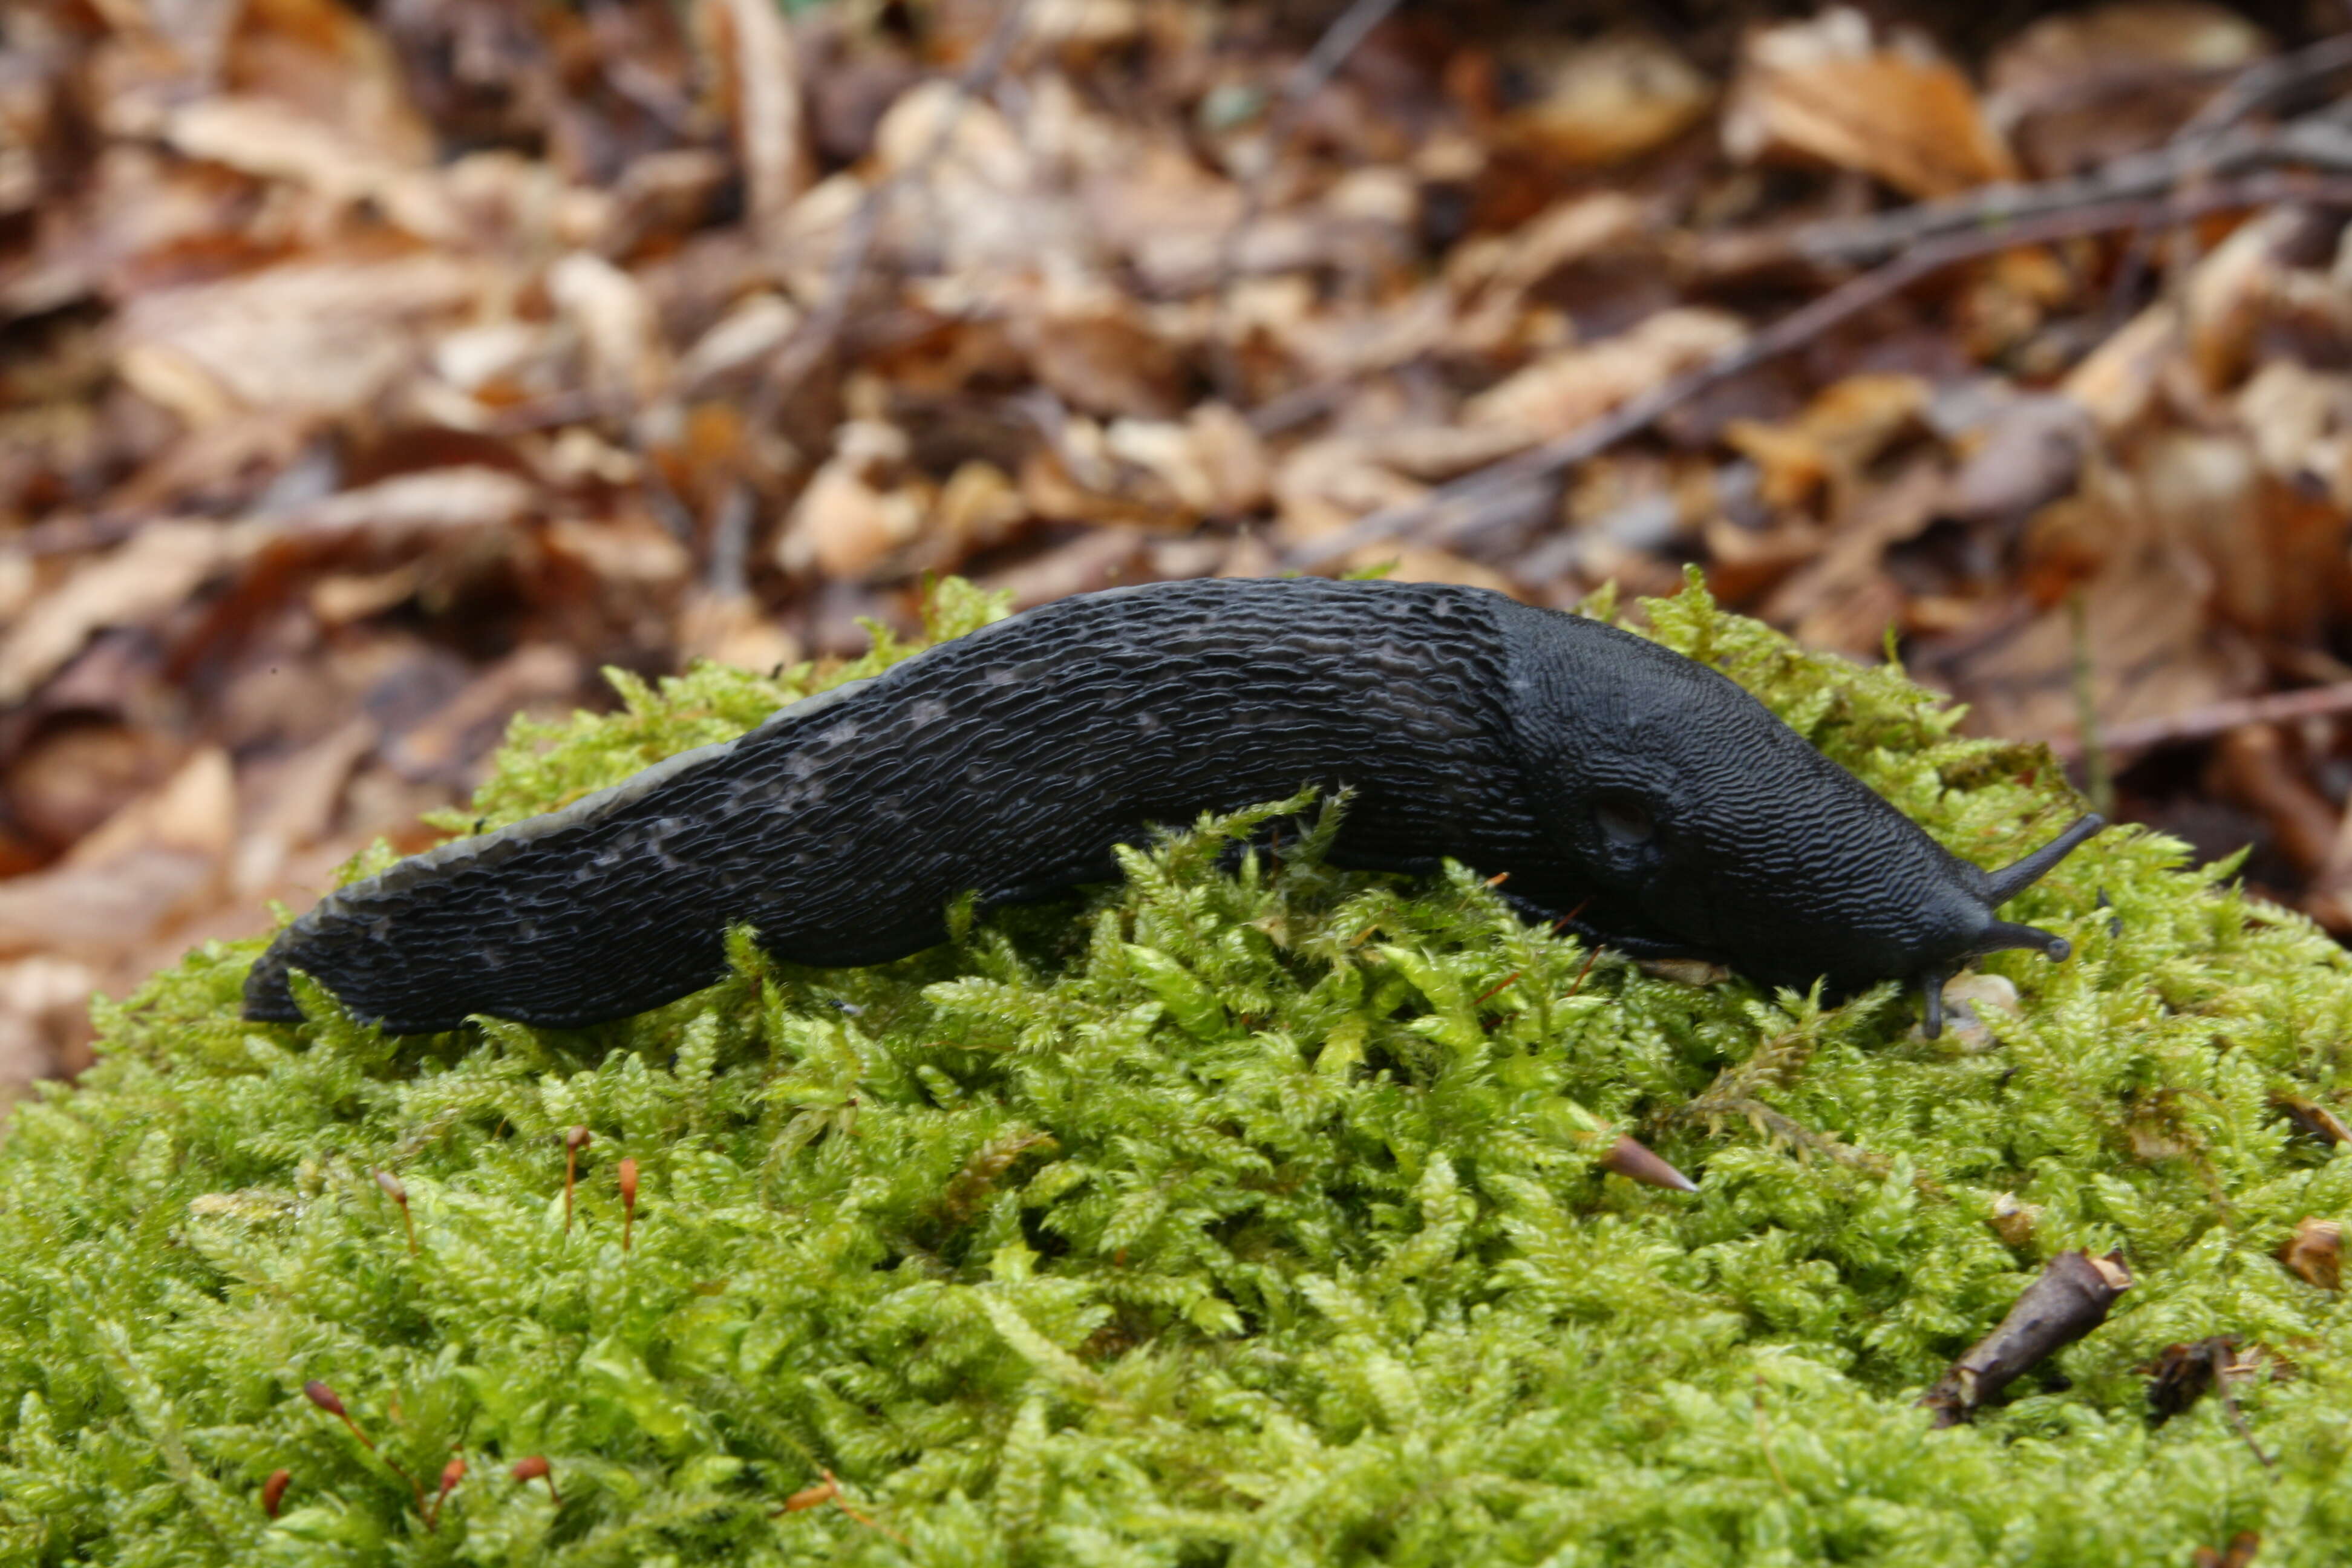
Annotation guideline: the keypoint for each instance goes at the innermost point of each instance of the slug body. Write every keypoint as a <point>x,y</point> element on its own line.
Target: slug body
<point>1649,796</point>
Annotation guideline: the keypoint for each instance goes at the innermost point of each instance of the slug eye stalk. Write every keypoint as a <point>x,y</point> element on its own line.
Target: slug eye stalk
<point>2010,880</point>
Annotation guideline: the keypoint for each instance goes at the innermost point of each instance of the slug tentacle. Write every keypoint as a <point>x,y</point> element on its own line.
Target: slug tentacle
<point>1645,797</point>
<point>2010,880</point>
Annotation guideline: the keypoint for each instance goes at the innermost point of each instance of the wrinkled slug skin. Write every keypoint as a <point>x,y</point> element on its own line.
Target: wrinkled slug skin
<point>1599,770</point>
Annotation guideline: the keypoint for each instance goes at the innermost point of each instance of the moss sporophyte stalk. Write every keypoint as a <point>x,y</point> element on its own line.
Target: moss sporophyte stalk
<point>1244,1212</point>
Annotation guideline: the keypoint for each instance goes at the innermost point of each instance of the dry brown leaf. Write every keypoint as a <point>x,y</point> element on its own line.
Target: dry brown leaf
<point>321,337</point>
<point>44,1016</point>
<point>463,495</point>
<point>2026,453</point>
<point>1101,558</point>
<point>2315,1253</point>
<point>1843,430</point>
<point>149,863</point>
<point>1212,462</point>
<point>73,777</point>
<point>1605,102</point>
<point>298,805</point>
<point>756,327</point>
<point>2117,380</point>
<point>194,810</point>
<point>763,97</point>
<point>733,629</point>
<point>1098,352</point>
<point>2228,293</point>
<point>140,580</point>
<point>615,320</point>
<point>1826,89</point>
<point>854,514</point>
<point>2149,657</point>
<point>1324,486</point>
<point>2077,88</point>
<point>1422,564</point>
<point>1575,385</point>
<point>456,737</point>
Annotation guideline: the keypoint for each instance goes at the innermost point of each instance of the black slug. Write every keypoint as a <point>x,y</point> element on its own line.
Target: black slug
<point>1646,792</point>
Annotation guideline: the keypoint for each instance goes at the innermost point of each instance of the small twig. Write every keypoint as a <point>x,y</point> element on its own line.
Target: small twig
<point>2315,139</point>
<point>2260,83</point>
<point>2246,91</point>
<point>2100,784</point>
<point>2072,1297</point>
<point>627,1174</point>
<point>574,1140</point>
<point>731,542</point>
<point>1450,510</point>
<point>398,1194</point>
<point>1308,78</point>
<point>2185,1374</point>
<point>816,334</point>
<point>2219,719</point>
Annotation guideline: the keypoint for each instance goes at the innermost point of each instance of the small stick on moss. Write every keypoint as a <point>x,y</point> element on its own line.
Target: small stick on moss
<point>328,1400</point>
<point>628,1172</point>
<point>534,1467</point>
<point>397,1193</point>
<point>2072,1297</point>
<point>574,1140</point>
<point>2240,1552</point>
<point>273,1491</point>
<point>2312,1118</point>
<point>451,1474</point>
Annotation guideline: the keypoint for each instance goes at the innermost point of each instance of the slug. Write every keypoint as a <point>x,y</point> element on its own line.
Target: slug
<point>1644,795</point>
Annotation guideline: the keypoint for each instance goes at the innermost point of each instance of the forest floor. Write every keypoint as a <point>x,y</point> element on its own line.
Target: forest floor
<point>368,379</point>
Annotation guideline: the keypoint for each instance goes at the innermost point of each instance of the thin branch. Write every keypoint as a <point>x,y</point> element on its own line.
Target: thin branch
<point>807,346</point>
<point>1309,76</point>
<point>1453,510</point>
<point>2073,1296</point>
<point>2319,141</point>
<point>2259,84</point>
<point>2219,719</point>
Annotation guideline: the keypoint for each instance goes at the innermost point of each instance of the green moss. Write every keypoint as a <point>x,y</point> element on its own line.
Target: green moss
<point>1244,1216</point>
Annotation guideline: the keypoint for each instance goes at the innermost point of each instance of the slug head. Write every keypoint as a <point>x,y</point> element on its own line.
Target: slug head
<point>1707,826</point>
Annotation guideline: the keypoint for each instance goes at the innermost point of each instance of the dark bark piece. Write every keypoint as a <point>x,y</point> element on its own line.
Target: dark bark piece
<point>2072,1297</point>
<point>2185,1374</point>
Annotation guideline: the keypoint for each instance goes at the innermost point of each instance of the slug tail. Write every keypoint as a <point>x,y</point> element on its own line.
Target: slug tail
<point>2010,880</point>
